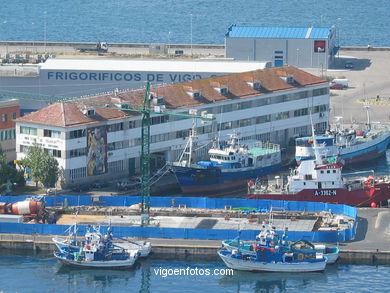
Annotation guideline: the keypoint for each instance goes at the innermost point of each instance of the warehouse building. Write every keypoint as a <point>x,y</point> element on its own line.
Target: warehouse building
<point>66,78</point>
<point>303,47</point>
<point>96,139</point>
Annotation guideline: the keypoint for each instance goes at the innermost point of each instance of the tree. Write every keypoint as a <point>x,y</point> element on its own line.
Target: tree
<point>44,167</point>
<point>8,172</point>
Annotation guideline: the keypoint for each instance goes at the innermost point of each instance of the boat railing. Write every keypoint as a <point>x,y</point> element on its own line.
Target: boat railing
<point>267,145</point>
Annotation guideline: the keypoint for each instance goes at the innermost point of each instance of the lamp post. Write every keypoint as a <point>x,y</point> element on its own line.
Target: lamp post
<point>191,31</point>
<point>169,42</point>
<point>338,36</point>
<point>44,29</point>
<point>297,57</point>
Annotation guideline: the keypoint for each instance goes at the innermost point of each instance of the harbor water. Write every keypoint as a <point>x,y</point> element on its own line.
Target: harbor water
<point>200,22</point>
<point>25,272</point>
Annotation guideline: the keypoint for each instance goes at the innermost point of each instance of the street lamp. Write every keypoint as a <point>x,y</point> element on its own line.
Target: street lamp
<point>169,42</point>
<point>338,36</point>
<point>44,29</point>
<point>297,57</point>
<point>191,31</point>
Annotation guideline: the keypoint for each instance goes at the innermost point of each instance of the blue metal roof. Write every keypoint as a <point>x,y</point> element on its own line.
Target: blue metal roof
<point>278,32</point>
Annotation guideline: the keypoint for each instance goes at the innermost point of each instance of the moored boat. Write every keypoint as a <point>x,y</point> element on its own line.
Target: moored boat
<point>72,243</point>
<point>321,180</point>
<point>273,260</point>
<point>98,252</point>
<point>230,166</point>
<point>351,145</point>
<point>268,236</point>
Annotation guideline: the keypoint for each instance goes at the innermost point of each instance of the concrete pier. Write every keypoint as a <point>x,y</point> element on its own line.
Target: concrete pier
<point>371,246</point>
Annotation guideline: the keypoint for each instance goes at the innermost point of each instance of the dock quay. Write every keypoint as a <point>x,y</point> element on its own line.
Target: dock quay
<point>368,241</point>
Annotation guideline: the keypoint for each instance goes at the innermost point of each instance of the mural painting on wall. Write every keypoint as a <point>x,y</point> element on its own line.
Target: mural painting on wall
<point>97,151</point>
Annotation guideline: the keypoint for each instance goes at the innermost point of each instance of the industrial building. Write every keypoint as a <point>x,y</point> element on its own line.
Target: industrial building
<point>66,78</point>
<point>303,47</point>
<point>96,139</point>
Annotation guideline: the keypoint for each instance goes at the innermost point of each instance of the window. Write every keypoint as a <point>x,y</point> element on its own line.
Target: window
<point>282,115</point>
<point>115,127</point>
<point>116,167</point>
<point>116,145</point>
<point>225,125</point>
<point>24,148</point>
<point>13,115</point>
<point>54,152</point>
<point>77,133</point>
<point>244,122</point>
<point>77,173</point>
<point>263,119</point>
<point>77,152</point>
<point>320,92</point>
<point>132,124</point>
<point>28,130</point>
<point>4,117</point>
<point>301,112</point>
<point>51,133</point>
<point>227,108</point>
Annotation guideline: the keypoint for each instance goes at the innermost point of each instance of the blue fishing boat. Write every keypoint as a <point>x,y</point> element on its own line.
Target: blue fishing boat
<point>351,145</point>
<point>229,166</point>
<point>273,254</point>
<point>98,251</point>
<point>269,237</point>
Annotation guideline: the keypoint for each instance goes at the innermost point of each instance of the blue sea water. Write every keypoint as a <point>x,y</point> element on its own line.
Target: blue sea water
<point>29,273</point>
<point>361,22</point>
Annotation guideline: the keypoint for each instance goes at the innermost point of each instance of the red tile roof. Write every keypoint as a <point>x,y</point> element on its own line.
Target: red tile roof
<point>175,95</point>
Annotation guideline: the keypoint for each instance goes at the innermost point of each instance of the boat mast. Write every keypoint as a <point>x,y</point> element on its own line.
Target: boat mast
<point>315,145</point>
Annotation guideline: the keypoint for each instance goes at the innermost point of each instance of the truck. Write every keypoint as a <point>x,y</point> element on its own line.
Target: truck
<point>339,83</point>
<point>101,47</point>
<point>30,208</point>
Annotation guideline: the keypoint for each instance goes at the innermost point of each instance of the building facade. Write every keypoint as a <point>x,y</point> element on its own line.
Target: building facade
<point>303,47</point>
<point>96,139</point>
<point>9,111</point>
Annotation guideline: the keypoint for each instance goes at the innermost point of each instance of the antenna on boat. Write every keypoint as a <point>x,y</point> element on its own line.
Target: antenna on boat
<point>315,145</point>
<point>366,106</point>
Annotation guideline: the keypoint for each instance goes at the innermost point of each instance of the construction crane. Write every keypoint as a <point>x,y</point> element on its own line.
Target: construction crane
<point>146,110</point>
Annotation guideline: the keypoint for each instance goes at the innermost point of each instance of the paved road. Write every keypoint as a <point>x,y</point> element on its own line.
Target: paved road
<point>368,78</point>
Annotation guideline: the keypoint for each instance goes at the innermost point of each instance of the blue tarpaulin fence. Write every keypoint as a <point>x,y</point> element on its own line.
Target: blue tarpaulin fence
<point>194,202</point>
<point>190,202</point>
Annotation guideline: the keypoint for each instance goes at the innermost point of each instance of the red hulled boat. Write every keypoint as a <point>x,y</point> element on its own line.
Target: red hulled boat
<point>320,180</point>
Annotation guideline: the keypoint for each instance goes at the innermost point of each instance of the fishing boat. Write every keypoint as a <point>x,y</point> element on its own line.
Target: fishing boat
<point>268,236</point>
<point>98,252</point>
<point>351,145</point>
<point>320,180</point>
<point>72,243</point>
<point>274,257</point>
<point>229,166</point>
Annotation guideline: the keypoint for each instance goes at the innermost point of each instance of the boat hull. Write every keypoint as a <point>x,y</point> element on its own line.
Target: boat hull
<point>202,180</point>
<point>296,267</point>
<point>331,253</point>
<point>112,264</point>
<point>361,197</point>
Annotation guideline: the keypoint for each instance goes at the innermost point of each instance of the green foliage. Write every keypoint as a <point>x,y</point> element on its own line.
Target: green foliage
<point>8,172</point>
<point>44,167</point>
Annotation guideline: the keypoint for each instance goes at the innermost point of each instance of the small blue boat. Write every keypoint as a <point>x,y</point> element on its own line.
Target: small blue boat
<point>230,166</point>
<point>97,251</point>
<point>269,237</point>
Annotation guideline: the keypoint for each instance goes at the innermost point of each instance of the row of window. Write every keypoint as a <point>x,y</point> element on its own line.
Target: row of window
<point>51,133</point>
<point>4,117</point>
<point>7,134</point>
<point>54,152</point>
<point>78,173</point>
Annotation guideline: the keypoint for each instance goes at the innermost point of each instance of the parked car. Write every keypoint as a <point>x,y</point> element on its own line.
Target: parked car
<point>336,86</point>
<point>82,188</point>
<point>349,64</point>
<point>129,184</point>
